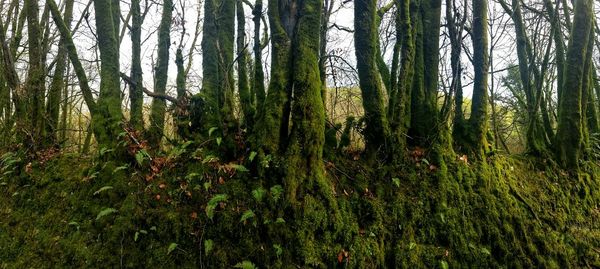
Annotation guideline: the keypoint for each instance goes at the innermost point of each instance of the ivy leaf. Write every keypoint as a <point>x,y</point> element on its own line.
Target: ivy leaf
<point>396,181</point>
<point>106,212</point>
<point>219,140</point>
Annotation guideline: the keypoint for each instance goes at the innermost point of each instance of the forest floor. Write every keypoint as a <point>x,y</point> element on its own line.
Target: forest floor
<point>188,210</point>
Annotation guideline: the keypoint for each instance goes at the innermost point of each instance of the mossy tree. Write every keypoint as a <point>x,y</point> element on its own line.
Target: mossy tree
<point>217,70</point>
<point>425,124</point>
<point>246,99</point>
<point>377,132</point>
<point>58,83</point>
<point>161,74</point>
<point>537,141</point>
<point>308,191</point>
<point>32,133</point>
<point>478,120</point>
<point>107,122</point>
<point>569,137</point>
<point>136,95</point>
<point>273,117</point>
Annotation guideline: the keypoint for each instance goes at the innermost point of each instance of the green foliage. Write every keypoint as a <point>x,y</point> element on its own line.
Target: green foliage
<point>208,246</point>
<point>246,265</point>
<point>259,194</point>
<point>171,248</point>
<point>276,192</point>
<point>212,204</point>
<point>106,212</point>
<point>105,188</point>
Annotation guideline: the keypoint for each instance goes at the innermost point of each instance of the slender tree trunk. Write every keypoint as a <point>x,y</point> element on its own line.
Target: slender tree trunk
<point>242,64</point>
<point>58,82</point>
<point>377,132</point>
<point>161,74</point>
<point>258,81</point>
<point>479,107</point>
<point>136,94</point>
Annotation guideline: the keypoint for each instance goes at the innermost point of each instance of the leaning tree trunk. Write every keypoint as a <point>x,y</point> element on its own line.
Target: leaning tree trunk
<point>479,106</point>
<point>157,113</point>
<point>377,131</point>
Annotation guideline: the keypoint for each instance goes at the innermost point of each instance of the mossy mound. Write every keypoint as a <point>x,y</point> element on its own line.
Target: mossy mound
<point>193,211</point>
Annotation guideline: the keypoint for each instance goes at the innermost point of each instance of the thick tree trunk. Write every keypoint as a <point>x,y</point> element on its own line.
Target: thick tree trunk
<point>569,135</point>
<point>106,123</point>
<point>32,134</point>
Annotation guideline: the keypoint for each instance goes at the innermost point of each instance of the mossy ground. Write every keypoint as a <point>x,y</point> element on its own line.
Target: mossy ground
<point>506,212</point>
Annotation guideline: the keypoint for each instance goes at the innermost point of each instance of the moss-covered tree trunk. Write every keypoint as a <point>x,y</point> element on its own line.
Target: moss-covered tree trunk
<point>136,94</point>
<point>273,126</point>
<point>569,135</point>
<point>377,131</point>
<point>307,189</point>
<point>161,74</point>
<point>211,116</point>
<point>401,100</point>
<point>106,122</point>
<point>32,134</point>
<point>478,120</point>
<point>246,100</point>
<point>57,84</point>
<point>258,80</point>
<point>425,126</point>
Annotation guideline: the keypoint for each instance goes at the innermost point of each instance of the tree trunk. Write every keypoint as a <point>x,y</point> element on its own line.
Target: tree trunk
<point>569,135</point>
<point>479,107</point>
<point>106,123</point>
<point>136,94</point>
<point>242,63</point>
<point>57,85</point>
<point>377,131</point>
<point>161,74</point>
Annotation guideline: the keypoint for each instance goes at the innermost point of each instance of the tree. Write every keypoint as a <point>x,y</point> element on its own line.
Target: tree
<point>377,131</point>
<point>157,115</point>
<point>570,131</point>
<point>57,85</point>
<point>136,95</point>
<point>479,107</point>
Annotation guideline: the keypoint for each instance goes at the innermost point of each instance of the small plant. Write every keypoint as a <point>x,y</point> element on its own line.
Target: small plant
<point>246,265</point>
<point>259,194</point>
<point>105,188</point>
<point>106,212</point>
<point>276,192</point>
<point>208,246</point>
<point>212,204</point>
<point>171,248</point>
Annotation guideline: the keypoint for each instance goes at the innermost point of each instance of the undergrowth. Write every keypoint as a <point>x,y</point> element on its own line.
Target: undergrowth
<point>188,209</point>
